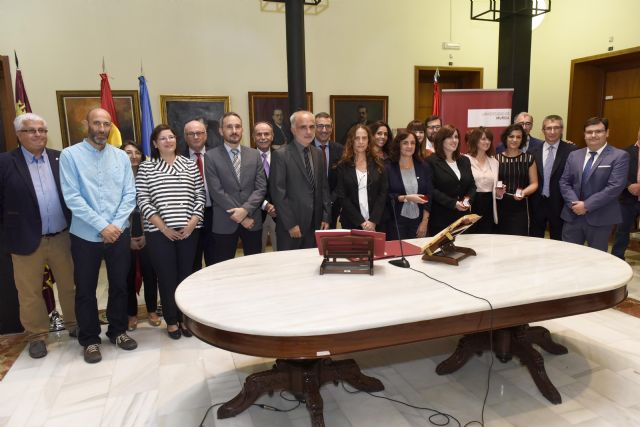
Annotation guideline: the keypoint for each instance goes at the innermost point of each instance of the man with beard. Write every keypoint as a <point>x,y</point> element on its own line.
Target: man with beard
<point>98,187</point>
<point>432,125</point>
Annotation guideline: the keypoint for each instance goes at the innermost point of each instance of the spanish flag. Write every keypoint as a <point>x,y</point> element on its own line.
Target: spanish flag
<point>22,100</point>
<point>107,103</point>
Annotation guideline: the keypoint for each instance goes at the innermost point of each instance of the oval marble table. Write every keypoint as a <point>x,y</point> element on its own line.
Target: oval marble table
<point>277,305</point>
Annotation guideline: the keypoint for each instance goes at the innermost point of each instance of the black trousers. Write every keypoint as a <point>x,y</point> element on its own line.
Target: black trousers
<point>172,262</point>
<point>483,206</point>
<point>205,242</point>
<point>87,257</point>
<point>287,243</point>
<point>407,227</point>
<point>226,244</point>
<point>543,214</point>
<point>149,280</point>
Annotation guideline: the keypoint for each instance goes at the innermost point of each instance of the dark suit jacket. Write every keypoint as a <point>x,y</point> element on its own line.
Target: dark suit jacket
<point>555,198</point>
<point>534,143</point>
<point>19,210</point>
<point>396,187</point>
<point>632,176</point>
<point>448,189</point>
<point>347,194</point>
<point>295,199</point>
<point>227,192</point>
<point>603,186</point>
<point>335,153</point>
<point>282,135</point>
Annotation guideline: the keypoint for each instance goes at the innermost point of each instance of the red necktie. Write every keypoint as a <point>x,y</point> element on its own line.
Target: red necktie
<point>199,164</point>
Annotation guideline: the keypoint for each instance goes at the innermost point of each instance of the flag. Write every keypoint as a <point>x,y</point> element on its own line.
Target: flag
<point>146,118</point>
<point>436,93</point>
<point>22,100</point>
<point>106,102</point>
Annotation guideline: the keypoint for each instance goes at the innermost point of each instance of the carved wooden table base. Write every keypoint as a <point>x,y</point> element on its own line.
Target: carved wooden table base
<point>302,378</point>
<point>517,341</point>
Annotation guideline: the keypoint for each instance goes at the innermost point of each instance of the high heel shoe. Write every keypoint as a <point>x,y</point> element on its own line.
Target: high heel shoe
<point>186,332</point>
<point>154,321</point>
<point>133,323</point>
<point>175,335</point>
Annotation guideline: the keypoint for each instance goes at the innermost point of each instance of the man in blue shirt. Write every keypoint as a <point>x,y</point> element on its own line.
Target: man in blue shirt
<point>35,221</point>
<point>99,189</point>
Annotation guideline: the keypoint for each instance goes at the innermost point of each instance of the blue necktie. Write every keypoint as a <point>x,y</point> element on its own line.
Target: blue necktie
<point>547,167</point>
<point>585,172</point>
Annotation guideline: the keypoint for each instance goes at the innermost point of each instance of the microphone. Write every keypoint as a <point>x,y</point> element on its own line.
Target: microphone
<point>402,262</point>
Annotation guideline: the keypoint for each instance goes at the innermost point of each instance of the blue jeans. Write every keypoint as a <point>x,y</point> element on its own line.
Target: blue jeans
<point>629,213</point>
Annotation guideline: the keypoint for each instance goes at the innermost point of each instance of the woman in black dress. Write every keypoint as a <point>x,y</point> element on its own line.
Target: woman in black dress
<point>453,186</point>
<point>518,173</point>
<point>362,182</point>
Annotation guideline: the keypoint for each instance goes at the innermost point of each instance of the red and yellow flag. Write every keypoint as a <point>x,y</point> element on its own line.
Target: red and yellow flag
<point>107,103</point>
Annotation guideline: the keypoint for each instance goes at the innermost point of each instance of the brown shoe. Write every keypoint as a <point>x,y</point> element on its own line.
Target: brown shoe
<point>92,353</point>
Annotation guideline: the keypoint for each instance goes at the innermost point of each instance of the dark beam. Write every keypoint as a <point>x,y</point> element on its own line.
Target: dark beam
<point>296,69</point>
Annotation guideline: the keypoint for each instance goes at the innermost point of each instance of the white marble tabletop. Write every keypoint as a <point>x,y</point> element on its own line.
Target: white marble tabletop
<point>283,294</point>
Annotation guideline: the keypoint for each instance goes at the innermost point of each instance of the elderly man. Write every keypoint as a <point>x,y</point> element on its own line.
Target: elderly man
<point>237,185</point>
<point>525,120</point>
<point>591,183</point>
<point>99,189</point>
<point>195,135</point>
<point>263,138</point>
<point>299,187</point>
<point>35,222</point>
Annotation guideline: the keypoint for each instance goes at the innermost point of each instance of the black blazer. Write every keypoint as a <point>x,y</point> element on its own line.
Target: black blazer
<point>335,153</point>
<point>347,194</point>
<point>396,187</point>
<point>557,202</point>
<point>19,211</point>
<point>626,197</point>
<point>448,189</point>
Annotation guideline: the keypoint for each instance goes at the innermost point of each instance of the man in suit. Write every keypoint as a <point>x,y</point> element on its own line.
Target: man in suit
<point>298,187</point>
<point>545,205</point>
<point>525,120</point>
<point>332,152</point>
<point>35,221</point>
<point>629,202</point>
<point>195,135</point>
<point>237,185</point>
<point>590,185</point>
<point>263,138</point>
<point>281,133</point>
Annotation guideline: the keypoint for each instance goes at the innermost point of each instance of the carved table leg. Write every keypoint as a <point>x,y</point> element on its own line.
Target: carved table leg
<point>302,378</point>
<point>517,341</point>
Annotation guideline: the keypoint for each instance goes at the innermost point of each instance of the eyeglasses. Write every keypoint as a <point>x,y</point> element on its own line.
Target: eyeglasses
<point>196,134</point>
<point>167,138</point>
<point>525,123</point>
<point>31,131</point>
<point>553,128</point>
<point>434,127</point>
<point>594,132</point>
<point>324,126</point>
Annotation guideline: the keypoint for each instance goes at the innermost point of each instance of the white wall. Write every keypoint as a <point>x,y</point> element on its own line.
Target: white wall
<point>230,47</point>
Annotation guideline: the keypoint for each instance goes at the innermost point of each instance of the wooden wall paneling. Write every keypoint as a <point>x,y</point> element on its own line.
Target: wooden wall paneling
<point>8,139</point>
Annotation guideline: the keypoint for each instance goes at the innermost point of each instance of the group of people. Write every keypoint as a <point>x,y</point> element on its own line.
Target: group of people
<point>158,218</point>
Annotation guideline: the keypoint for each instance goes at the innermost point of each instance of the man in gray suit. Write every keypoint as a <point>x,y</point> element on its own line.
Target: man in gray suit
<point>299,189</point>
<point>592,181</point>
<point>237,186</point>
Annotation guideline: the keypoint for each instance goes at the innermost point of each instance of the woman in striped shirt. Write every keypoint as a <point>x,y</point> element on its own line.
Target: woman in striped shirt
<point>171,198</point>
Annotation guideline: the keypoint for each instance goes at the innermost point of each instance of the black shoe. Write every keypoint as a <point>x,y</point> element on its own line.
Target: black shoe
<point>174,335</point>
<point>92,353</point>
<point>37,349</point>
<point>73,332</point>
<point>124,341</point>
<point>185,332</point>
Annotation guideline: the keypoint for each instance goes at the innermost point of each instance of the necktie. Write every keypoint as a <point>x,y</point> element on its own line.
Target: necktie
<point>307,165</point>
<point>236,162</point>
<point>324,158</point>
<point>265,164</point>
<point>199,164</point>
<point>548,166</point>
<point>587,169</point>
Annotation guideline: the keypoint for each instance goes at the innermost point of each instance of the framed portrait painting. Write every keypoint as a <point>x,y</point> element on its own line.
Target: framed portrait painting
<point>349,110</point>
<point>273,107</point>
<point>73,106</point>
<point>177,110</point>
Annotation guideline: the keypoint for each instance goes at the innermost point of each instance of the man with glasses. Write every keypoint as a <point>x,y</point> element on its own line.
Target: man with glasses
<point>591,183</point>
<point>332,152</point>
<point>433,125</point>
<point>99,189</point>
<point>525,120</point>
<point>195,135</point>
<point>35,222</point>
<point>545,205</point>
<point>237,184</point>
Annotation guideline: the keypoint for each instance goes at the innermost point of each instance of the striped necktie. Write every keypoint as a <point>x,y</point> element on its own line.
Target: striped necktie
<point>236,162</point>
<point>307,165</point>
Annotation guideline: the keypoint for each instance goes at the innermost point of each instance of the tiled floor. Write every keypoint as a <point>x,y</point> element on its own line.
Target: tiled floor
<point>171,383</point>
